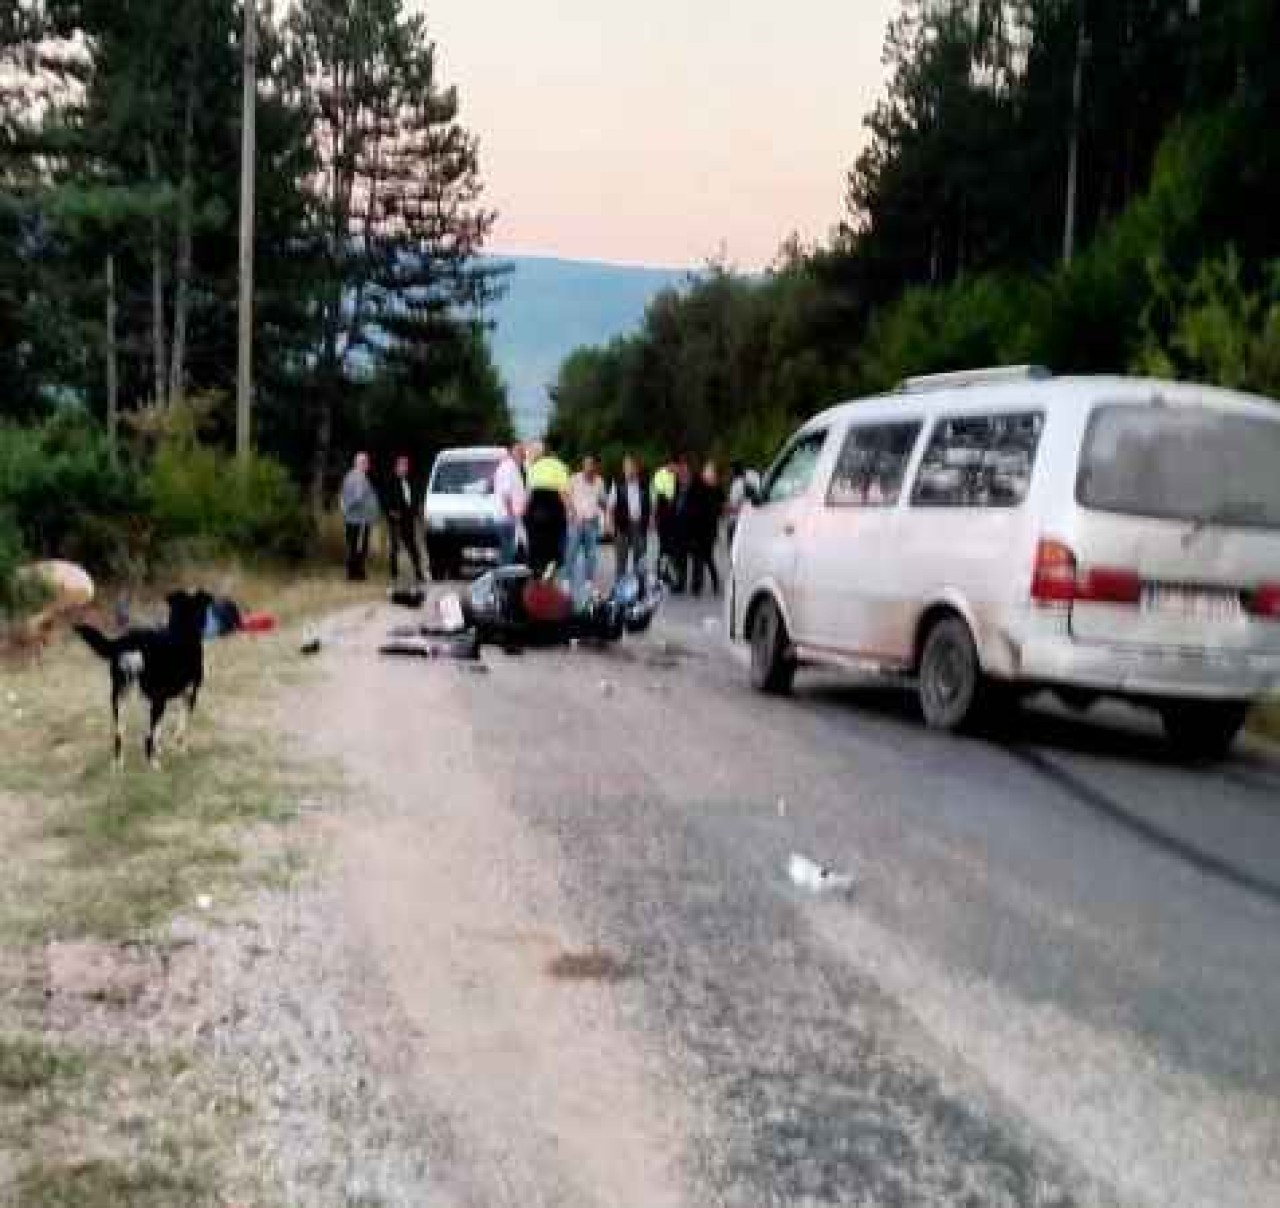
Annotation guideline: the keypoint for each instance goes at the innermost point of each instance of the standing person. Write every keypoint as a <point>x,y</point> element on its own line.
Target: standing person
<point>630,510</point>
<point>587,502</point>
<point>706,507</point>
<point>359,514</point>
<point>546,515</point>
<point>681,532</point>
<point>508,486</point>
<point>401,510</point>
<point>663,498</point>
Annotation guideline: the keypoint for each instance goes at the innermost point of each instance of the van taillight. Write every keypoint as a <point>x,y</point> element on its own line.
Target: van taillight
<point>1053,581</point>
<point>1265,602</point>
<point>1057,579</point>
<point>1102,585</point>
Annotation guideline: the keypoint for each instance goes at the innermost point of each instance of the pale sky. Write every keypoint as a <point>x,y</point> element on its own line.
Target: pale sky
<point>662,132</point>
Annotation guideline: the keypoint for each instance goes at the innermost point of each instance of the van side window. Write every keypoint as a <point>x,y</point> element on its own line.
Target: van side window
<point>872,465</point>
<point>979,461</point>
<point>794,470</point>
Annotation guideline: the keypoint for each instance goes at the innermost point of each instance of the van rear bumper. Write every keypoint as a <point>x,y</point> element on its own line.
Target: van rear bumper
<point>1148,671</point>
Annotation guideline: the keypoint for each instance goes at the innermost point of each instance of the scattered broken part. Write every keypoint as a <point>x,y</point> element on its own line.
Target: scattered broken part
<point>593,964</point>
<point>817,878</point>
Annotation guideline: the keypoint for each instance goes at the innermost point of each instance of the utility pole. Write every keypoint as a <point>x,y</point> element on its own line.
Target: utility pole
<point>1073,142</point>
<point>248,162</point>
<point>113,376</point>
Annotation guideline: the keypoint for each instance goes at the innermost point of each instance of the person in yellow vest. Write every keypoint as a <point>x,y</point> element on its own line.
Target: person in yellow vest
<point>546,514</point>
<point>665,491</point>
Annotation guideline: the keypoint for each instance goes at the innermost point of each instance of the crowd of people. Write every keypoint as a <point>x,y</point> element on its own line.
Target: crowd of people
<point>554,519</point>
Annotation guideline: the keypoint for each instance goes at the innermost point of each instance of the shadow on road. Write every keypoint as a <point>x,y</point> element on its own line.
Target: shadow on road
<point>1042,738</point>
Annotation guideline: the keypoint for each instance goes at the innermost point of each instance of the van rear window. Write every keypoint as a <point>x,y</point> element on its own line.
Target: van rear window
<point>1192,464</point>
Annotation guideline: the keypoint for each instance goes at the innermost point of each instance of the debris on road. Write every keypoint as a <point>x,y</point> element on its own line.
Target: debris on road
<point>464,646</point>
<point>591,965</point>
<point>407,597</point>
<point>815,877</point>
<point>782,807</point>
<point>451,614</point>
<point>311,645</point>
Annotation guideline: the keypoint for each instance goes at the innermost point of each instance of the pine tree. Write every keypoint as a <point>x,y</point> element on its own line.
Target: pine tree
<point>397,198</point>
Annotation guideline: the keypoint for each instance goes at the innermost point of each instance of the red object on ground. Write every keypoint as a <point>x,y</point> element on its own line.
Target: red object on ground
<point>546,602</point>
<point>257,622</point>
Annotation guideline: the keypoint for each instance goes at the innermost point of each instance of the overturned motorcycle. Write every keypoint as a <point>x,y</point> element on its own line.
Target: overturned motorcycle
<point>513,610</point>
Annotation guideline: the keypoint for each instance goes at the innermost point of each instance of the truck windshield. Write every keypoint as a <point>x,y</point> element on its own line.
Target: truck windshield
<point>464,477</point>
<point>1193,464</point>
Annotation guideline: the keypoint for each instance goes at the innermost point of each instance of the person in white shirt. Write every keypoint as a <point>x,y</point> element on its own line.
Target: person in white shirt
<point>508,486</point>
<point>587,501</point>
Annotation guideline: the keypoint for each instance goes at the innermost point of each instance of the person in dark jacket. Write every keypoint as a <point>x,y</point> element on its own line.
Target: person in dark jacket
<point>704,513</point>
<point>400,506</point>
<point>630,511</point>
<point>679,541</point>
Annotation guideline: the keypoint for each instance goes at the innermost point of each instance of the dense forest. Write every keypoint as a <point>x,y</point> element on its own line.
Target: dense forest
<point>1090,186</point>
<point>120,173</point>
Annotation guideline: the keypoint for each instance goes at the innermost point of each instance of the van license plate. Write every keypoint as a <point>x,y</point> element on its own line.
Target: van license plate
<point>1193,604</point>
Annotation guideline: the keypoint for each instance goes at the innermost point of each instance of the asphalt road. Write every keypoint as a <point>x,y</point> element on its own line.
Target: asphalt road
<point>1055,981</point>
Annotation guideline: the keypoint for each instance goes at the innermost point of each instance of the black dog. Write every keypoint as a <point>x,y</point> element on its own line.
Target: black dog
<point>163,664</point>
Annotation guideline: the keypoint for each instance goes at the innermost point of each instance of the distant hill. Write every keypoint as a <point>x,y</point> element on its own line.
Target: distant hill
<point>554,306</point>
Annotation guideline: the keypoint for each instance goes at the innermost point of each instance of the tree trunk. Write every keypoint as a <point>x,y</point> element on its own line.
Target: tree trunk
<point>182,270</point>
<point>157,285</point>
<point>113,376</point>
<point>324,434</point>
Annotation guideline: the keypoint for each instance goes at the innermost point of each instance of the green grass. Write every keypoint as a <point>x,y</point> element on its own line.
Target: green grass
<point>112,854</point>
<point>103,1184</point>
<point>29,1064</point>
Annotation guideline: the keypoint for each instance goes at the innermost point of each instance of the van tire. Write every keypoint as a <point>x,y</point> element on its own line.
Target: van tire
<point>773,666</point>
<point>1203,731</point>
<point>951,686</point>
<point>441,560</point>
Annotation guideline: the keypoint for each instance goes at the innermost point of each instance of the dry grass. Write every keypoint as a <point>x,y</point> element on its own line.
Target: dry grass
<point>91,853</point>
<point>1266,721</point>
<point>113,854</point>
<point>104,1184</point>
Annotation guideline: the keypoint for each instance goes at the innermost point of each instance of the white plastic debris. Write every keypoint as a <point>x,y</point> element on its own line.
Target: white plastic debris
<point>810,875</point>
<point>204,901</point>
<point>782,807</point>
<point>451,612</point>
<point>11,697</point>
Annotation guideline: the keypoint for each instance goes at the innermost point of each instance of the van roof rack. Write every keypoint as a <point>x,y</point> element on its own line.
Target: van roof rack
<point>974,377</point>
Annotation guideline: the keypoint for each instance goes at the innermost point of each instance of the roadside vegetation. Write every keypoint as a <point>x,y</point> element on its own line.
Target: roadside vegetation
<point>953,249</point>
<point>102,1103</point>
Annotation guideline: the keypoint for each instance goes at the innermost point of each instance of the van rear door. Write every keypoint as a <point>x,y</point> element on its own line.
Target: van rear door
<point>1177,536</point>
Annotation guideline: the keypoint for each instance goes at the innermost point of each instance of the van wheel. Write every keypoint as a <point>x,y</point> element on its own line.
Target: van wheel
<point>773,667</point>
<point>1203,731</point>
<point>951,686</point>
<point>440,562</point>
